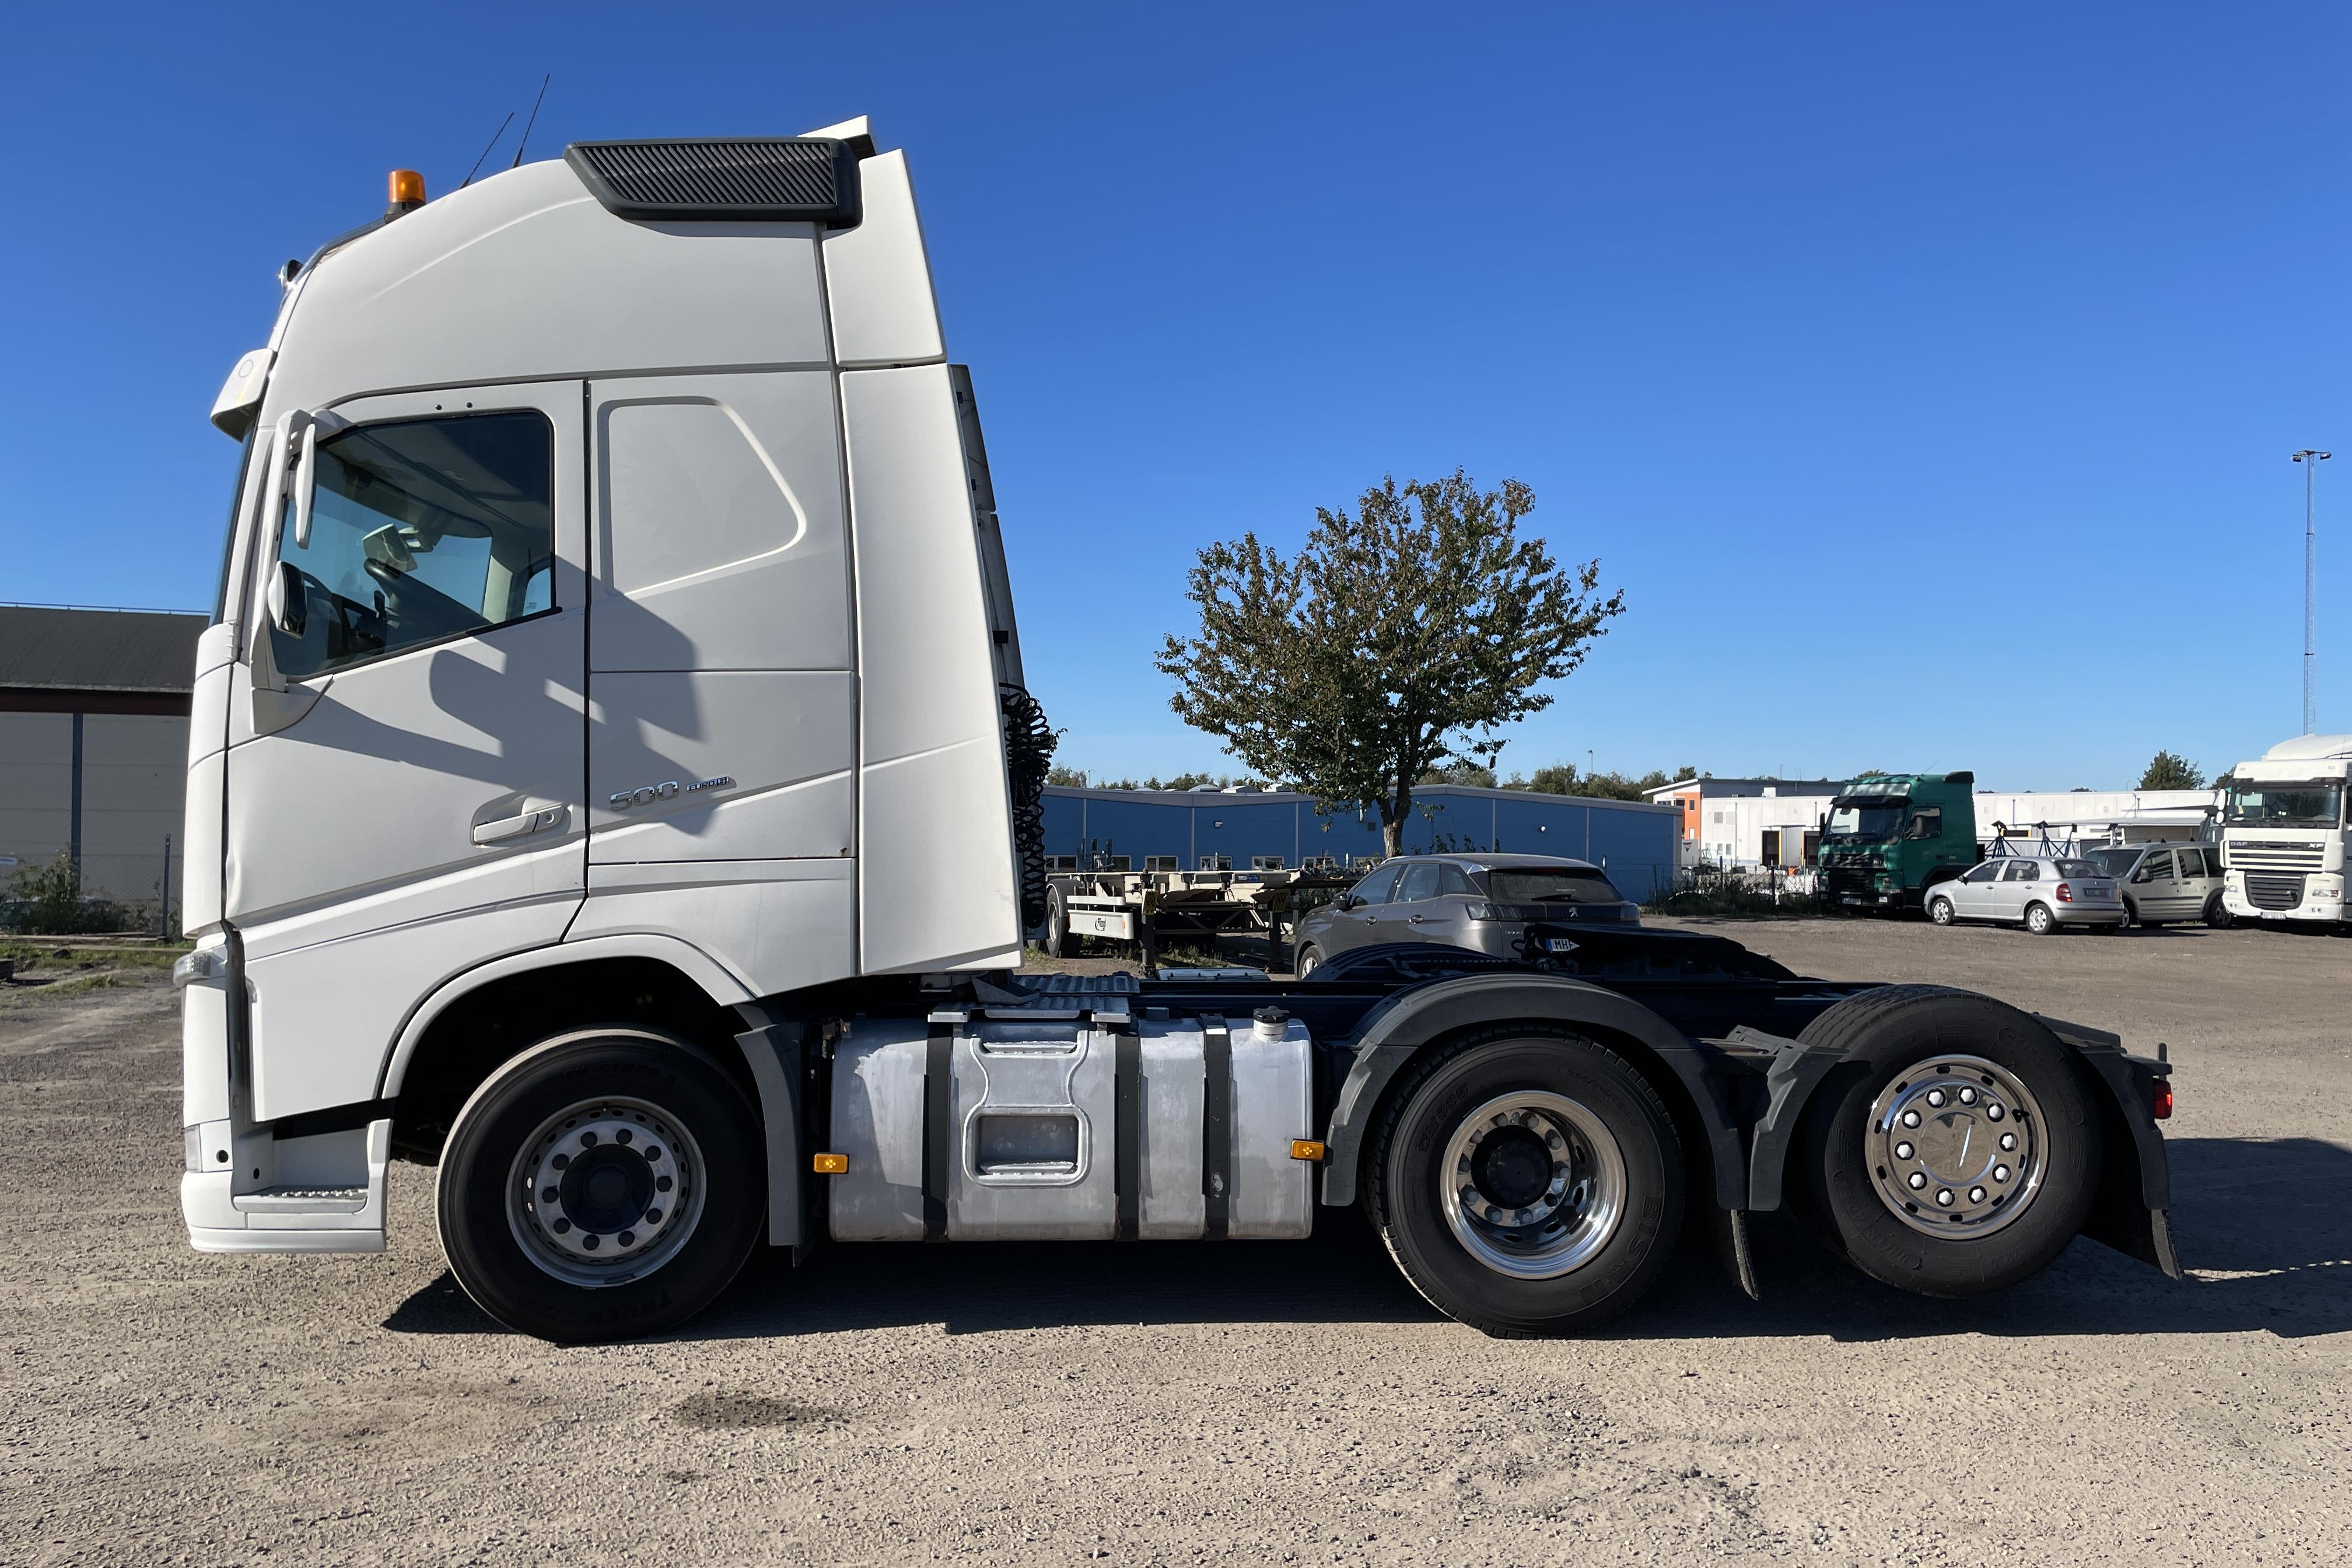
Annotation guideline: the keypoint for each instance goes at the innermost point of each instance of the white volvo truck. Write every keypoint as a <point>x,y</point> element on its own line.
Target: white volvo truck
<point>2282,832</point>
<point>610,786</point>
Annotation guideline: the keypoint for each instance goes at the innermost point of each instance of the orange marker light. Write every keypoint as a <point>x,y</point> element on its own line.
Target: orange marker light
<point>830,1164</point>
<point>407,188</point>
<point>1305,1149</point>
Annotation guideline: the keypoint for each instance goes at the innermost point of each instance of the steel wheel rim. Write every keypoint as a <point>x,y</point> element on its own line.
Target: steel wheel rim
<point>1956,1147</point>
<point>2037,919</point>
<point>1940,911</point>
<point>1491,1158</point>
<point>606,1191</point>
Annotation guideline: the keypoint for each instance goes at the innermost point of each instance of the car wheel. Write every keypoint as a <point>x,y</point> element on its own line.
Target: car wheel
<point>1948,1172</point>
<point>1526,1183</point>
<point>2131,913</point>
<point>2040,920</point>
<point>1940,910</point>
<point>2217,913</point>
<point>1310,959</point>
<point>605,1185</point>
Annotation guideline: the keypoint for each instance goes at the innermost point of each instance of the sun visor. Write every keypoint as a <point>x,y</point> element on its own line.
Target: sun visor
<point>757,179</point>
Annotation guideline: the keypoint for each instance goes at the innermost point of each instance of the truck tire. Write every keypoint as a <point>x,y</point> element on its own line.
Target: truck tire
<point>1060,942</point>
<point>1527,1182</point>
<point>1939,910</point>
<point>2040,920</point>
<point>1955,1150</point>
<point>605,1185</point>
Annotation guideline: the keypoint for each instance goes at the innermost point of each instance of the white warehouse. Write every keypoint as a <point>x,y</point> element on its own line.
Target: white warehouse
<point>1752,831</point>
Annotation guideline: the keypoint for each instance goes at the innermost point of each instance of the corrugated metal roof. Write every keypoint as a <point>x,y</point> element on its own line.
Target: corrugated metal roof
<point>97,650</point>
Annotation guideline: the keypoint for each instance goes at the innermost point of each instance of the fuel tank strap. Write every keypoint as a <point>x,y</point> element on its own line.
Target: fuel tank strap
<point>938,1128</point>
<point>1127,1133</point>
<point>1217,1126</point>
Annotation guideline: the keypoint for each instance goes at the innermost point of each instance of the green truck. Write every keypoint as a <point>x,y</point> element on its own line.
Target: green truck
<point>1889,837</point>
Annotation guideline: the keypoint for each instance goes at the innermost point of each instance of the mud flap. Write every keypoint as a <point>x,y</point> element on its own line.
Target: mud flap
<point>2133,1211</point>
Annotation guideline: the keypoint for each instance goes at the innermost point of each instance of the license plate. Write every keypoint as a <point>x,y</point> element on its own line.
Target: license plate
<point>1559,944</point>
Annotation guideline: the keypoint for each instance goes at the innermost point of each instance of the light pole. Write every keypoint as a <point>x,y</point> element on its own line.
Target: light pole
<point>2310,457</point>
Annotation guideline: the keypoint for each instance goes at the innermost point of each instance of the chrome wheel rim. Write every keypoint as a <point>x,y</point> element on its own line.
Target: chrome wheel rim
<point>1533,1185</point>
<point>605,1190</point>
<point>1956,1147</point>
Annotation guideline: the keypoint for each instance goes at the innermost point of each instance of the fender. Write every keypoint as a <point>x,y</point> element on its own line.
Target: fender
<point>719,984</point>
<point>1398,1028</point>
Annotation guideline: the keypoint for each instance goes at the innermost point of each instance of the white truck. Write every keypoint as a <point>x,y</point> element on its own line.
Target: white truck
<point>611,784</point>
<point>2282,832</point>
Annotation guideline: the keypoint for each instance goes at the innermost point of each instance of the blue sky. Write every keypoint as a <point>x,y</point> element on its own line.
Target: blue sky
<point>1924,375</point>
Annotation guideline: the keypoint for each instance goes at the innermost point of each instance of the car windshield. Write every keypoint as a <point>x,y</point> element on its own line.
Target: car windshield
<point>1864,816</point>
<point>1567,885</point>
<point>2114,862</point>
<point>2082,868</point>
<point>2285,806</point>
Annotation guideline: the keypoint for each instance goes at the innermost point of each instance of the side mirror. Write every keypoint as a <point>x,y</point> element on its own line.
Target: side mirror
<point>290,606</point>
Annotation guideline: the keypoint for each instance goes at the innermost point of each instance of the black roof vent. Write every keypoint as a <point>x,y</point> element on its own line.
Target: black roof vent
<point>765,179</point>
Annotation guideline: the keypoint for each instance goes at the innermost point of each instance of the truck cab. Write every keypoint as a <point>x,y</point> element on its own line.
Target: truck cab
<point>612,789</point>
<point>1888,837</point>
<point>2283,831</point>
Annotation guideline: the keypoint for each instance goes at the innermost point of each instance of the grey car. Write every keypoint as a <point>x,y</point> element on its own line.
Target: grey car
<point>1485,902</point>
<point>2043,894</point>
<point>2163,883</point>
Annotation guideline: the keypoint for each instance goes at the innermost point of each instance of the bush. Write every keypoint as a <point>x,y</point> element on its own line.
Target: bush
<point>47,900</point>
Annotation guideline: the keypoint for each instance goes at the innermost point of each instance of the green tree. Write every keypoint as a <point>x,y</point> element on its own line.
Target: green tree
<point>1397,640</point>
<point>1475,775</point>
<point>1069,778</point>
<point>2167,770</point>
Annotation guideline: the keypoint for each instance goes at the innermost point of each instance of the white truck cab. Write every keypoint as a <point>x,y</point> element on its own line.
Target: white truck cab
<point>611,784</point>
<point>2282,831</point>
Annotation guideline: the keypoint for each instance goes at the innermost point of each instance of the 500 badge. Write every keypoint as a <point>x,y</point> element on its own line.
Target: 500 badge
<point>646,795</point>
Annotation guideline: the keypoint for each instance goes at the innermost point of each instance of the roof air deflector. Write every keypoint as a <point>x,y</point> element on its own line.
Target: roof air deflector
<point>759,179</point>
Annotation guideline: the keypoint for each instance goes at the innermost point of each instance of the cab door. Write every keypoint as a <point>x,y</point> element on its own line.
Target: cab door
<point>407,735</point>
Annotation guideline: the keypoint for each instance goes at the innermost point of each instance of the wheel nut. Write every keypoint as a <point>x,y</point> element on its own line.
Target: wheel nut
<point>653,1150</point>
<point>2007,1141</point>
<point>661,1184</point>
<point>561,1226</point>
<point>2001,1172</point>
<point>1976,1195</point>
<point>587,1140</point>
<point>1903,1151</point>
<point>629,1237</point>
<point>1994,1112</point>
<point>547,1194</point>
<point>1910,1118</point>
<point>1943,1196</point>
<point>1967,1097</point>
<point>1918,1180</point>
<point>1934,1097</point>
<point>653,1217</point>
<point>589,1242</point>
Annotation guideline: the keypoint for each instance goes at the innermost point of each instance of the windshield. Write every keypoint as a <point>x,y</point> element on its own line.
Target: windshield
<point>2285,806</point>
<point>2114,862</point>
<point>1865,816</point>
<point>1566,886</point>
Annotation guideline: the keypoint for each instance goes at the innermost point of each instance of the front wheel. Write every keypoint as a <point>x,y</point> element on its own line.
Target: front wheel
<point>2040,920</point>
<point>1526,1183</point>
<point>603,1184</point>
<point>1940,910</point>
<point>1310,959</point>
<point>2217,913</point>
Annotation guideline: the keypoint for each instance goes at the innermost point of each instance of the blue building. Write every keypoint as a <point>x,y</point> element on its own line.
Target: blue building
<point>1162,830</point>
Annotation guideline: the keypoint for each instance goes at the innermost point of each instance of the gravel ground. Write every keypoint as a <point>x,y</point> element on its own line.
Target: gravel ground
<point>1255,1402</point>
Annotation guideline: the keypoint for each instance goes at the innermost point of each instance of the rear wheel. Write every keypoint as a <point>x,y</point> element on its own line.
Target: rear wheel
<point>1939,910</point>
<point>2039,920</point>
<point>1955,1150</point>
<point>601,1185</point>
<point>1060,942</point>
<point>1526,1183</point>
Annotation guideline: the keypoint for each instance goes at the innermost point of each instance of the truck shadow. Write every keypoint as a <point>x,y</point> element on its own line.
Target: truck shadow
<point>2257,1219</point>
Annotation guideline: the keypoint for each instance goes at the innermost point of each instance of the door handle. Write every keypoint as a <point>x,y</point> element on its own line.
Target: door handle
<point>515,826</point>
<point>1416,920</point>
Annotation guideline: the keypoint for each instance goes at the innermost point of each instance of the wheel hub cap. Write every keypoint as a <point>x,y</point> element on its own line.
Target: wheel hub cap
<point>605,1191</point>
<point>1956,1147</point>
<point>1533,1185</point>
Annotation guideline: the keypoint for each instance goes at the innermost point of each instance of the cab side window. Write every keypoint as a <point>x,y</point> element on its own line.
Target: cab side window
<point>421,529</point>
<point>1984,873</point>
<point>1927,822</point>
<point>2155,867</point>
<point>1420,882</point>
<point>1376,887</point>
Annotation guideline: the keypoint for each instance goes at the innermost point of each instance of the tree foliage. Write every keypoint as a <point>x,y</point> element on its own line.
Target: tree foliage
<point>1397,642</point>
<point>1562,778</point>
<point>2168,770</point>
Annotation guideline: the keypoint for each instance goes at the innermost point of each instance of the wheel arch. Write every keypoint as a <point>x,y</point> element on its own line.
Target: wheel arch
<point>1427,1018</point>
<point>475,1022</point>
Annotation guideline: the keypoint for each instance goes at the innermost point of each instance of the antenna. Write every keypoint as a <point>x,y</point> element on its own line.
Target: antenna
<point>532,120</point>
<point>486,151</point>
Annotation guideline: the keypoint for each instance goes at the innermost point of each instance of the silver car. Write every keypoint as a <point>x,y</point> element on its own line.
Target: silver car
<point>2162,883</point>
<point>2044,895</point>
<point>1484,903</point>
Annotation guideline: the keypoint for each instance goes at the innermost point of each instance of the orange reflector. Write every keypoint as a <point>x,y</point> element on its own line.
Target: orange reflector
<point>2161,1100</point>
<point>829,1165</point>
<point>407,188</point>
<point>1305,1149</point>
